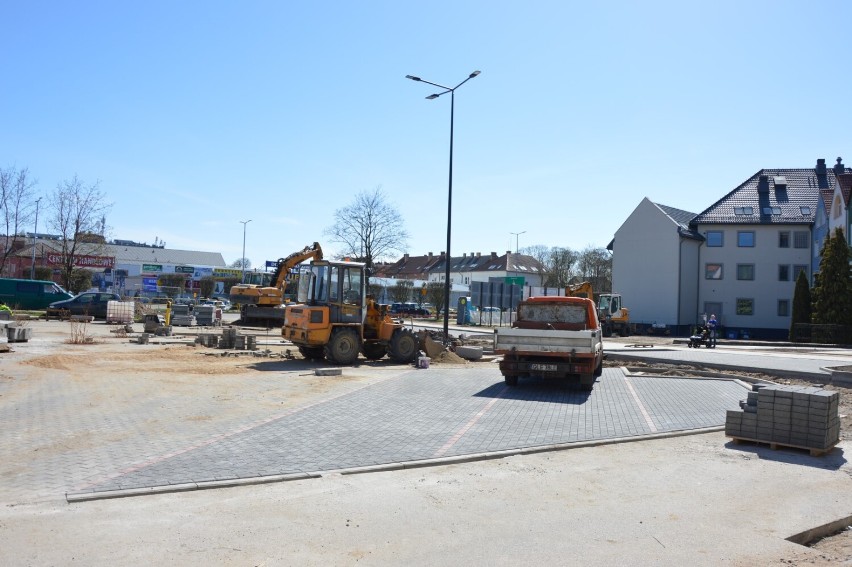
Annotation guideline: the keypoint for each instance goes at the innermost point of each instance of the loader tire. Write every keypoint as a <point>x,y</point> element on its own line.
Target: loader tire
<point>312,353</point>
<point>343,347</point>
<point>373,351</point>
<point>403,346</point>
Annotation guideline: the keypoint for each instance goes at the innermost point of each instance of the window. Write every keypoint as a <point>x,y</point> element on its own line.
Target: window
<point>745,239</point>
<point>713,271</point>
<point>783,307</point>
<point>800,239</point>
<point>783,239</point>
<point>772,211</point>
<point>743,211</point>
<point>745,306</point>
<point>715,238</point>
<point>805,211</point>
<point>799,268</point>
<point>783,273</point>
<point>745,271</point>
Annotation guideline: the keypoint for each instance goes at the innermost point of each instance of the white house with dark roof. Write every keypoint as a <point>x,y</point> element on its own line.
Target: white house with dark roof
<point>758,238</point>
<point>655,259</point>
<point>738,259</point>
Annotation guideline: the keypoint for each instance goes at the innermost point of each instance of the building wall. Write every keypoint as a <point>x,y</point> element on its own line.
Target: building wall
<point>721,296</point>
<point>689,311</point>
<point>645,267</point>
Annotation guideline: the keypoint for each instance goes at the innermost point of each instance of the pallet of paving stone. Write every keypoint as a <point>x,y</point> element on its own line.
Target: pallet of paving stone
<point>775,445</point>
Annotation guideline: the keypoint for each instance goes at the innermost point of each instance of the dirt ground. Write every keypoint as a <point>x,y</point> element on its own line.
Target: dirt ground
<point>174,367</point>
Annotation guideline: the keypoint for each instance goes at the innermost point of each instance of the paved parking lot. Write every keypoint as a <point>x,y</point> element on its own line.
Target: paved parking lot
<point>433,414</point>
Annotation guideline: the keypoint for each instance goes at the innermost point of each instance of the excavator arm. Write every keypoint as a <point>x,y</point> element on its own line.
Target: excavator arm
<point>282,270</point>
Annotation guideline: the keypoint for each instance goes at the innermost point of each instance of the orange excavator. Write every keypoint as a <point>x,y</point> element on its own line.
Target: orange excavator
<point>263,305</point>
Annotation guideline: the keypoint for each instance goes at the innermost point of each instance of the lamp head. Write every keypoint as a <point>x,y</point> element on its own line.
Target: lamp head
<point>432,97</point>
<point>412,77</point>
<point>475,73</point>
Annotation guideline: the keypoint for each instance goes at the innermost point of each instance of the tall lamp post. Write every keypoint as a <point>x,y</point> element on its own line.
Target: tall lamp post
<point>35,235</point>
<point>447,287</point>
<point>243,260</point>
<point>516,235</point>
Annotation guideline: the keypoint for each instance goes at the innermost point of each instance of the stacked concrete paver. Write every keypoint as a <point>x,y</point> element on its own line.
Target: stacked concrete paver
<point>795,416</point>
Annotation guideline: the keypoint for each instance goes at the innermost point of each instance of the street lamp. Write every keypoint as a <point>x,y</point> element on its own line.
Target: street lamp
<point>447,287</point>
<point>517,234</point>
<point>243,261</point>
<point>35,233</point>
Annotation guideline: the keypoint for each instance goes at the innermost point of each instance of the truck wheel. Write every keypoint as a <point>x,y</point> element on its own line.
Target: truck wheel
<point>342,347</point>
<point>511,380</point>
<point>312,353</point>
<point>373,351</point>
<point>607,331</point>
<point>624,331</point>
<point>403,346</point>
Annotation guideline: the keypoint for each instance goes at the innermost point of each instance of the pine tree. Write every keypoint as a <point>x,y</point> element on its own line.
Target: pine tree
<point>801,303</point>
<point>832,299</point>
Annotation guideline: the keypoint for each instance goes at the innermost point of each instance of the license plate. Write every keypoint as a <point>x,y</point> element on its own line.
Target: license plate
<point>543,367</point>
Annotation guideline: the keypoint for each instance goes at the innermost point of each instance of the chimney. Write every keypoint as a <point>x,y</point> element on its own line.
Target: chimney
<point>839,168</point>
<point>405,257</point>
<point>464,254</point>
<point>479,254</point>
<point>430,254</point>
<point>494,255</point>
<point>820,167</point>
<point>763,184</point>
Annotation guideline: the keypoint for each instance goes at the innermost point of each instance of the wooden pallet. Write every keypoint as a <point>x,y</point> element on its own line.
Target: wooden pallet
<point>774,445</point>
<point>640,345</point>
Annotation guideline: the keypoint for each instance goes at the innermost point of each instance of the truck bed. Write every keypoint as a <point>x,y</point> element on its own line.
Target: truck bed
<point>545,342</point>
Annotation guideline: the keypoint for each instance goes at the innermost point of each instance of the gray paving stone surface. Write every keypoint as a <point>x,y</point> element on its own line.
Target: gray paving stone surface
<point>431,414</point>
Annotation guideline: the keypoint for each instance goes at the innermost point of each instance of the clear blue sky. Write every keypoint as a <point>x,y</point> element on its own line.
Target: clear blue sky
<point>196,115</point>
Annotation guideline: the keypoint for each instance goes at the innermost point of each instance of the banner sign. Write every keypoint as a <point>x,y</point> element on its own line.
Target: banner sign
<point>199,273</point>
<point>227,273</point>
<point>152,267</point>
<point>272,264</point>
<point>149,284</point>
<point>54,259</point>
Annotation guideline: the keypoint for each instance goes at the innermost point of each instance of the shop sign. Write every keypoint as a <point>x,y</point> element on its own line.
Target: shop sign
<point>54,259</point>
<point>227,273</point>
<point>152,267</point>
<point>184,270</point>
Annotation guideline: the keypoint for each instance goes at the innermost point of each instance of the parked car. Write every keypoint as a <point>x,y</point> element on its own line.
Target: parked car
<point>90,303</point>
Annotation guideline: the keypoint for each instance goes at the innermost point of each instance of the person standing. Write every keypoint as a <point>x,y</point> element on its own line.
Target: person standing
<point>713,325</point>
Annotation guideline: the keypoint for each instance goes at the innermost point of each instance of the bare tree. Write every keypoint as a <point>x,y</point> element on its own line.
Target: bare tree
<point>77,213</point>
<point>401,291</point>
<point>435,295</point>
<point>16,200</point>
<point>542,254</point>
<point>595,266</point>
<point>560,266</point>
<point>241,263</point>
<point>369,229</point>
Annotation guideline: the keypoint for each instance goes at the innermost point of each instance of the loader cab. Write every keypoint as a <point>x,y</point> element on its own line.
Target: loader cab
<point>336,285</point>
<point>608,305</point>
